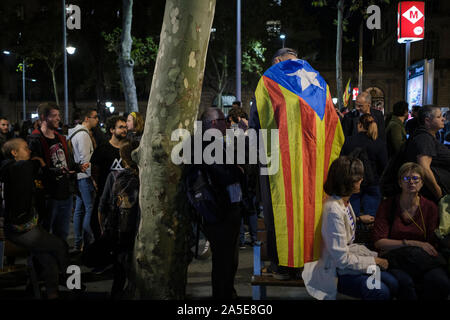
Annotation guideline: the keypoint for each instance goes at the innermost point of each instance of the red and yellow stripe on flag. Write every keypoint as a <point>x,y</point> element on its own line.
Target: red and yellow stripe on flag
<point>308,146</point>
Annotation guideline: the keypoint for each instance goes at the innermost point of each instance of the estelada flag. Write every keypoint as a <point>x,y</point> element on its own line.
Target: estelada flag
<point>347,93</point>
<point>293,98</point>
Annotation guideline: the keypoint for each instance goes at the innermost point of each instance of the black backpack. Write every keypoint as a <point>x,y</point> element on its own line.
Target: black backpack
<point>369,174</point>
<point>207,200</point>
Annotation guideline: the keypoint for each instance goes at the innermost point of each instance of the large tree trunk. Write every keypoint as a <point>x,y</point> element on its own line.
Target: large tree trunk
<point>340,10</point>
<point>162,252</point>
<point>125,62</point>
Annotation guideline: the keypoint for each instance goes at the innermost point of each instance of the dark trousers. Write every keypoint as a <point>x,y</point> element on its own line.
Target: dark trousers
<point>269,220</point>
<point>434,285</point>
<point>224,240</point>
<point>50,251</point>
<point>121,267</point>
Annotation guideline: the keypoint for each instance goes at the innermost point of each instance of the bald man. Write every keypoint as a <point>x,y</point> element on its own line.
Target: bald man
<point>363,105</point>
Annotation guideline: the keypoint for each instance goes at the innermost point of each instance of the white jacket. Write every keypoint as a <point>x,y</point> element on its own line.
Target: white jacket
<point>338,252</point>
<point>82,148</point>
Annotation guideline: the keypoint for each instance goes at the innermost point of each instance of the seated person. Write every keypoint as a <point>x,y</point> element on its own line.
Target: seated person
<point>410,220</point>
<point>344,266</point>
<point>18,173</point>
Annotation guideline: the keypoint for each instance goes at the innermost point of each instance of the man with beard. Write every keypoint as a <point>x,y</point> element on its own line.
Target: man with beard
<point>106,158</point>
<point>54,201</point>
<point>5,134</point>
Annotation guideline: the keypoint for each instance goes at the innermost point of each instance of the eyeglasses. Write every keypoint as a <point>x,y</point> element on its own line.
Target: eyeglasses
<point>414,179</point>
<point>95,117</point>
<point>121,127</point>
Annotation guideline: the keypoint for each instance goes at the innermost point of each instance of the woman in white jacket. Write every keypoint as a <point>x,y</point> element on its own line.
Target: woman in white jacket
<point>344,266</point>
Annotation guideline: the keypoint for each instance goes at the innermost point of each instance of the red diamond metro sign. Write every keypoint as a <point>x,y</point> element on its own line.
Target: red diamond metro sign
<point>410,21</point>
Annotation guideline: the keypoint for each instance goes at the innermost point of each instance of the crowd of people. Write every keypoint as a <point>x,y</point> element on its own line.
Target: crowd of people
<point>47,176</point>
<point>50,179</point>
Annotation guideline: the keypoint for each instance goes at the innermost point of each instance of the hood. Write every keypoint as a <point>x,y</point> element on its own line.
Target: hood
<point>74,129</point>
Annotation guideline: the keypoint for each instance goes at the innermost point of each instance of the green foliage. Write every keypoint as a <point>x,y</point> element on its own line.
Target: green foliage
<point>253,57</point>
<point>19,67</point>
<point>143,51</point>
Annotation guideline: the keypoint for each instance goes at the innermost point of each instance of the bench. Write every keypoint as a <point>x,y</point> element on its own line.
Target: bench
<point>9,249</point>
<point>259,281</point>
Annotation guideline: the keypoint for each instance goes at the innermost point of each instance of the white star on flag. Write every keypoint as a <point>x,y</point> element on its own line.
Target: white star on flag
<point>306,78</point>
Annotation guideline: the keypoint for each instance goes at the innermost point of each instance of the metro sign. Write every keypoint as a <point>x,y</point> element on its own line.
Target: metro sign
<point>411,21</point>
<point>355,93</point>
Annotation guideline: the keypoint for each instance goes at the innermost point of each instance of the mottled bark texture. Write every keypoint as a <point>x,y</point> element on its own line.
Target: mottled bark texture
<point>162,252</point>
<point>126,63</point>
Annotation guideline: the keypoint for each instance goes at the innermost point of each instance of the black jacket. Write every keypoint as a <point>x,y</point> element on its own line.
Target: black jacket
<point>351,119</point>
<point>376,151</point>
<point>120,206</point>
<point>57,184</point>
<point>19,189</point>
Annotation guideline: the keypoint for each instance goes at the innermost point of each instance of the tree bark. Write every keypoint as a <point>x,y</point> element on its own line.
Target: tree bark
<point>126,63</point>
<point>340,11</point>
<point>162,252</point>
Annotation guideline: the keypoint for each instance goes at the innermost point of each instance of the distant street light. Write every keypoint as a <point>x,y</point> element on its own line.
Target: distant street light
<point>282,37</point>
<point>110,106</point>
<point>71,50</point>
<point>6,52</point>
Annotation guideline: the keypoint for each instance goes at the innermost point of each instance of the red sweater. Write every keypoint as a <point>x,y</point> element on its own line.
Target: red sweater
<point>405,228</point>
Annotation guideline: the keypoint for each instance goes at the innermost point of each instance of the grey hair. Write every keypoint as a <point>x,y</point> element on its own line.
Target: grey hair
<point>208,115</point>
<point>427,112</point>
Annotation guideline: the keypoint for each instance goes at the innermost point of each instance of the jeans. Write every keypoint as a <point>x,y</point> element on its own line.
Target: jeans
<point>369,198</point>
<point>50,251</point>
<point>83,212</point>
<point>356,286</point>
<point>61,211</point>
<point>252,224</point>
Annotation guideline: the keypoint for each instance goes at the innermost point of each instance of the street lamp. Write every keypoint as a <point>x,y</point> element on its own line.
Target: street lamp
<point>282,37</point>
<point>71,50</point>
<point>238,51</point>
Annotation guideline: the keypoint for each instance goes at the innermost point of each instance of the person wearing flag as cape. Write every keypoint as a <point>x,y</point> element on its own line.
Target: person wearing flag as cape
<point>294,99</point>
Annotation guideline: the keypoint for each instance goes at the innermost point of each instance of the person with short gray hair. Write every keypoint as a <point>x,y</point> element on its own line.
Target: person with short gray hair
<point>363,104</point>
<point>433,156</point>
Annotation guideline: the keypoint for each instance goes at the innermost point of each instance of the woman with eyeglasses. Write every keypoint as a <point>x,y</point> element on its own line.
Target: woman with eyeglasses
<point>408,220</point>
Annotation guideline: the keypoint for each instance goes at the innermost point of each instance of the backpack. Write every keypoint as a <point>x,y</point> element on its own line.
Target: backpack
<point>69,141</point>
<point>209,203</point>
<point>369,174</point>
